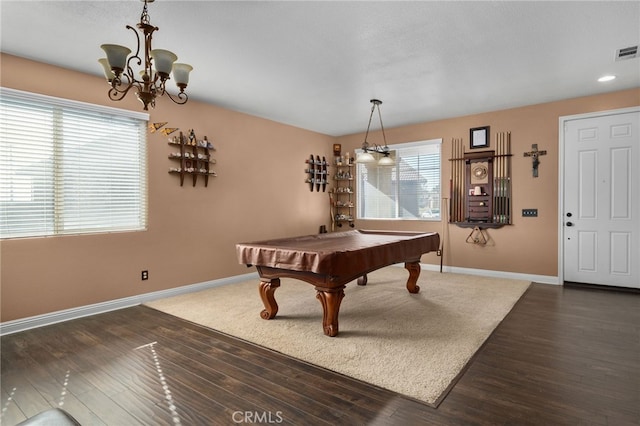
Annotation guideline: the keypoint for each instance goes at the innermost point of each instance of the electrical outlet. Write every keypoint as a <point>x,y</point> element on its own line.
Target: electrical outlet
<point>144,275</point>
<point>529,212</point>
<point>439,252</point>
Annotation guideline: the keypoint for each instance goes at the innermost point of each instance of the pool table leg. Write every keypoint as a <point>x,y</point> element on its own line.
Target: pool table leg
<point>363,280</point>
<point>330,300</point>
<point>414,273</point>
<point>267,290</point>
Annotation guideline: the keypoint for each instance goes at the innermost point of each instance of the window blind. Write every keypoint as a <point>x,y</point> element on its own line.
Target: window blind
<point>408,190</point>
<point>68,167</point>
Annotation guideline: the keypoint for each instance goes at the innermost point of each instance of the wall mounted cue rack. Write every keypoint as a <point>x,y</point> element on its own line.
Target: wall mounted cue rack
<point>481,185</point>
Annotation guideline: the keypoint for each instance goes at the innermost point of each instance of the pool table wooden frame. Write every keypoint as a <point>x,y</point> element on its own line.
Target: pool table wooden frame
<point>330,261</point>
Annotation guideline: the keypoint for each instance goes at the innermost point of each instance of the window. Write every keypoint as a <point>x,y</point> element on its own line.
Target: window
<point>408,190</point>
<point>68,167</point>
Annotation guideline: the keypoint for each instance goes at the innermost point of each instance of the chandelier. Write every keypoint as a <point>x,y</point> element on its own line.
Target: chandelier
<point>122,77</point>
<point>367,156</point>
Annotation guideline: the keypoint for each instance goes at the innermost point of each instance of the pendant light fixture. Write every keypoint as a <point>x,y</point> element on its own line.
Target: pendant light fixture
<point>122,77</point>
<point>367,156</point>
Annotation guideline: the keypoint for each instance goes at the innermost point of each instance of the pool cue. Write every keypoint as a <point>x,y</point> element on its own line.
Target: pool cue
<point>459,176</point>
<point>463,183</point>
<point>454,180</point>
<point>502,175</point>
<point>332,212</point>
<point>445,225</point>
<point>501,146</point>
<point>508,179</point>
<point>496,182</point>
<point>458,183</point>
<point>499,178</point>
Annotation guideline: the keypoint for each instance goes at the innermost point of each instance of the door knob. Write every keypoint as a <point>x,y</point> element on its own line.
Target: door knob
<point>569,214</point>
<point>569,223</point>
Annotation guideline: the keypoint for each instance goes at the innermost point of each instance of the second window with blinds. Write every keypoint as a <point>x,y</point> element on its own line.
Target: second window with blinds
<point>408,190</point>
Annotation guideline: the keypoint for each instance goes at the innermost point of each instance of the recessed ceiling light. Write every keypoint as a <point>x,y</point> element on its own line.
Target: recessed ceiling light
<point>606,78</point>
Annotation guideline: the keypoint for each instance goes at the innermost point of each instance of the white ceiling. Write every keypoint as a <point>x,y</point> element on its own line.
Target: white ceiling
<point>316,64</point>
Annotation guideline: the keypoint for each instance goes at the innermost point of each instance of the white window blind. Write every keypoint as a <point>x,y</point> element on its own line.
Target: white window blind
<point>408,190</point>
<point>68,167</point>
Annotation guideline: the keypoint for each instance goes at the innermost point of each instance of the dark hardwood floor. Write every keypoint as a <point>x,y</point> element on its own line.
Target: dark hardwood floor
<point>563,356</point>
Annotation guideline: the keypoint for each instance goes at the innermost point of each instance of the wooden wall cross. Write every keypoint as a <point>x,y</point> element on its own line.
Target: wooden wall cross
<point>534,154</point>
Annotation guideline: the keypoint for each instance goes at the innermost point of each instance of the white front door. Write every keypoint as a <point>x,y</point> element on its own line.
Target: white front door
<point>601,222</point>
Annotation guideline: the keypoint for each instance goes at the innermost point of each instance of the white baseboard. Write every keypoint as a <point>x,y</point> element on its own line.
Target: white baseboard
<point>543,279</point>
<point>23,324</point>
<point>9,327</point>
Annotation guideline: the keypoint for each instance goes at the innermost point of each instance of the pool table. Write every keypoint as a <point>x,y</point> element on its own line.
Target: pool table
<point>330,261</point>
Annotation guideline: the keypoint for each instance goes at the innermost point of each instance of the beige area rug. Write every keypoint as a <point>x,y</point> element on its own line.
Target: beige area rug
<point>413,344</point>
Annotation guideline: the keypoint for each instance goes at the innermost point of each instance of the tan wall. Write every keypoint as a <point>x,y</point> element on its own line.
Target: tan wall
<point>260,193</point>
<point>530,245</point>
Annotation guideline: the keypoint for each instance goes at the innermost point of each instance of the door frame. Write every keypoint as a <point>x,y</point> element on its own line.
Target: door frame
<point>561,143</point>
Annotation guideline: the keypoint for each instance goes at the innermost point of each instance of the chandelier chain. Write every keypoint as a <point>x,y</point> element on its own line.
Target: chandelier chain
<point>145,18</point>
<point>366,135</point>
<point>384,138</point>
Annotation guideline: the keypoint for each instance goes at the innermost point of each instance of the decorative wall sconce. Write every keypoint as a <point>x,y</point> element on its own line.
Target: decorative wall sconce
<point>367,156</point>
<point>121,76</point>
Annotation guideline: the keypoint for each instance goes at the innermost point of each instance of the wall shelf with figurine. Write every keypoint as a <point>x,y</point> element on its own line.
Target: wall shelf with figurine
<point>317,172</point>
<point>341,196</point>
<point>193,158</point>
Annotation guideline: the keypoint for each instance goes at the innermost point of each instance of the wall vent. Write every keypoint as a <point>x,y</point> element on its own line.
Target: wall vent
<point>627,53</point>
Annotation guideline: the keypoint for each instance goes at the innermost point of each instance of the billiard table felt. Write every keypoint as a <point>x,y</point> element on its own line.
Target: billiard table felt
<point>338,253</point>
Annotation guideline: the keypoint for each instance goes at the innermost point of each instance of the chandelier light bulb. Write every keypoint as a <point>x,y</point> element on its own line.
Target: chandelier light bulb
<point>163,60</point>
<point>116,56</point>
<point>386,161</point>
<point>365,157</point>
<point>109,75</point>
